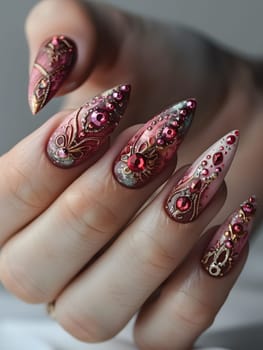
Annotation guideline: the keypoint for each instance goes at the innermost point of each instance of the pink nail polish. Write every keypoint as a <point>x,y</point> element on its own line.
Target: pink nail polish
<point>201,181</point>
<point>230,239</point>
<point>52,66</point>
<point>150,149</point>
<point>84,131</point>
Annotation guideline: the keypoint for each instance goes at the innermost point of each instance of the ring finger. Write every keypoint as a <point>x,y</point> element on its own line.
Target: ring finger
<point>151,247</point>
<point>190,299</point>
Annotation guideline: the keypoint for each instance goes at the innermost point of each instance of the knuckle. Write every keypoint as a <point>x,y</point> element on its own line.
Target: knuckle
<point>22,189</point>
<point>197,315</point>
<point>85,213</point>
<point>82,327</point>
<point>17,280</point>
<point>157,257</point>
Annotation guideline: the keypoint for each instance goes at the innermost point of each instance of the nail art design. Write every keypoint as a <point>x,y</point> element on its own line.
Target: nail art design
<point>229,240</point>
<point>201,181</point>
<point>53,64</point>
<point>147,153</point>
<point>86,130</point>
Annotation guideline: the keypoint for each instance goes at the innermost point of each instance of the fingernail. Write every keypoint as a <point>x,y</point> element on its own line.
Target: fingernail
<point>230,239</point>
<point>84,131</point>
<point>52,66</point>
<point>150,149</point>
<point>201,181</point>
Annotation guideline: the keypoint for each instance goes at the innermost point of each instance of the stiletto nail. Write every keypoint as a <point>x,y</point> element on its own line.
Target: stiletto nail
<point>150,149</point>
<point>84,131</point>
<point>230,239</point>
<point>52,66</point>
<point>201,181</point>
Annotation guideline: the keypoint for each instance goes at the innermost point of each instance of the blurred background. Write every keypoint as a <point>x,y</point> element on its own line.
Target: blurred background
<point>237,24</point>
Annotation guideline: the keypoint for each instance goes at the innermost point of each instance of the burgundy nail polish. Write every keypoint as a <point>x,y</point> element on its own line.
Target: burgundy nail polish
<point>52,66</point>
<point>84,131</point>
<point>229,241</point>
<point>150,149</point>
<point>201,181</point>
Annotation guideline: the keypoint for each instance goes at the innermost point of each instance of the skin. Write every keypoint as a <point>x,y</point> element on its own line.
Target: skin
<point>52,251</point>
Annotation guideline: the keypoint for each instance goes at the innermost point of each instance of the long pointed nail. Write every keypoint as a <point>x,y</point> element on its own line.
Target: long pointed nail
<point>201,181</point>
<point>84,131</point>
<point>150,149</point>
<point>229,241</point>
<point>52,66</point>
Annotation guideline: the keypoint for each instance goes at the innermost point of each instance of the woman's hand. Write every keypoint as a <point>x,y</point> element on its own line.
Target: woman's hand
<point>74,235</point>
<point>164,63</point>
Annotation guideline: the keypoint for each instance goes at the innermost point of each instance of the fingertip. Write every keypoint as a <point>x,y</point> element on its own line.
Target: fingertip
<point>42,25</point>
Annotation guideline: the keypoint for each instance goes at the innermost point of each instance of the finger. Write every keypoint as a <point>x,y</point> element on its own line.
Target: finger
<point>26,171</point>
<point>119,282</point>
<point>63,54</point>
<point>88,214</point>
<point>190,299</point>
<point>59,59</point>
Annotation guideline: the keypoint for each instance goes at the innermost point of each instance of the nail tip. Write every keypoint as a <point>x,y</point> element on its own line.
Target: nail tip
<point>34,108</point>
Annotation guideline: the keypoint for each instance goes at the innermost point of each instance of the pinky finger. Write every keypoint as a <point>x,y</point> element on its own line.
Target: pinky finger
<point>191,298</point>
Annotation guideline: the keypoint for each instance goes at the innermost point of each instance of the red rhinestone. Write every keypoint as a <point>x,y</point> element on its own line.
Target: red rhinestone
<point>205,172</point>
<point>118,96</point>
<point>237,228</point>
<point>230,139</point>
<point>229,244</point>
<point>169,133</point>
<point>248,208</point>
<point>160,142</point>
<point>137,162</point>
<point>183,112</point>
<point>195,185</point>
<point>99,118</point>
<point>218,158</point>
<point>191,104</point>
<point>125,88</point>
<point>183,203</point>
<point>174,124</point>
<point>110,106</point>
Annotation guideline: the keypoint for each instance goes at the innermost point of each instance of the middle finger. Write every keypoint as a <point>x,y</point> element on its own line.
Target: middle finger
<point>108,293</point>
<point>42,258</point>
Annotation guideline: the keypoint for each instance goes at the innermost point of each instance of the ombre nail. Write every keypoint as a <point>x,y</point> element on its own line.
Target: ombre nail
<point>52,66</point>
<point>84,131</point>
<point>151,148</point>
<point>201,181</point>
<point>229,241</point>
